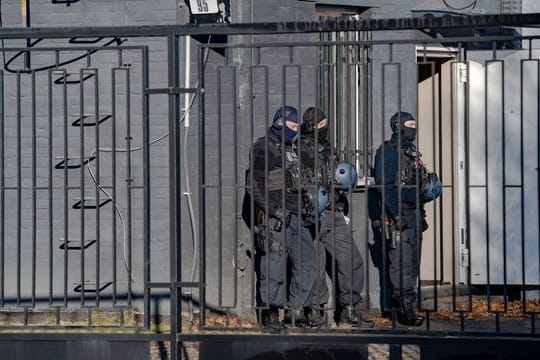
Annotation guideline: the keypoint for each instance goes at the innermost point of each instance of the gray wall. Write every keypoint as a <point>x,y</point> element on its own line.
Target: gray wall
<point>235,116</point>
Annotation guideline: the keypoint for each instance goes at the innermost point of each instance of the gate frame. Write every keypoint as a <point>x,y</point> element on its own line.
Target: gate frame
<point>172,33</point>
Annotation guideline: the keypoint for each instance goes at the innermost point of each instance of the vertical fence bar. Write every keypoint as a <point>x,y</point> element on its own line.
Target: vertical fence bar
<point>2,192</point>
<point>533,320</point>
<point>526,76</point>
<point>113,183</point>
<point>219,134</point>
<point>130,238</point>
<point>486,180</point>
<point>326,96</point>
<point>50,184</point>
<point>349,97</point>
<point>495,186</point>
<point>466,128</point>
<point>236,194</point>
<point>81,186</point>
<point>174,203</point>
<point>97,183</point>
<point>364,73</point>
<point>66,185</point>
<point>34,190</point>
<point>504,186</point>
<point>19,189</point>
<point>382,187</point>
<point>253,95</point>
<point>522,195</point>
<point>455,188</point>
<point>129,189</point>
<point>202,189</point>
<point>384,272</point>
<point>431,64</point>
<point>146,175</point>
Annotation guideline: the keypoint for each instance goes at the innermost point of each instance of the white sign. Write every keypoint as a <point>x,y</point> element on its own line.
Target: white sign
<point>203,7</point>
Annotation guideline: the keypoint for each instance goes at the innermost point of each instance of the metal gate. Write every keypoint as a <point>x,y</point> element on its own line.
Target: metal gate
<point>121,188</point>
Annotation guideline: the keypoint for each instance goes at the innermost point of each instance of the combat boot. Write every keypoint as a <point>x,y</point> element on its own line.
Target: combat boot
<point>406,316</point>
<point>270,319</point>
<point>349,315</point>
<point>304,319</point>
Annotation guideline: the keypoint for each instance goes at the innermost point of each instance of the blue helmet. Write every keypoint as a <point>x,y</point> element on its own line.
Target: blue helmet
<point>432,188</point>
<point>284,113</point>
<point>317,206</point>
<point>345,176</point>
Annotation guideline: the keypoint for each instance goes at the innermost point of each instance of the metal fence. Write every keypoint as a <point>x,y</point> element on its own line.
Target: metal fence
<point>121,189</point>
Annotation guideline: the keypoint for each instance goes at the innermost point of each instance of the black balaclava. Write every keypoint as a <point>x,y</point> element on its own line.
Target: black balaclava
<point>397,123</point>
<point>310,119</point>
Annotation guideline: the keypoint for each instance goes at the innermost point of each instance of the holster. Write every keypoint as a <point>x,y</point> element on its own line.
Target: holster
<point>392,235</point>
<point>269,237</point>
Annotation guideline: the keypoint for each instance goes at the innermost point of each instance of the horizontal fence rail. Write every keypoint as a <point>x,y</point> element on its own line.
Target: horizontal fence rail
<point>292,27</point>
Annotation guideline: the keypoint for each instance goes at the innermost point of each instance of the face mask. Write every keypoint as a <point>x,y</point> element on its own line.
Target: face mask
<point>408,134</point>
<point>309,131</point>
<point>289,134</point>
<point>322,132</point>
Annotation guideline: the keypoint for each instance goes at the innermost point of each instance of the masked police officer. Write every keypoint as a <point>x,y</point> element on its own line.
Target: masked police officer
<point>405,185</point>
<point>281,236</point>
<point>335,231</point>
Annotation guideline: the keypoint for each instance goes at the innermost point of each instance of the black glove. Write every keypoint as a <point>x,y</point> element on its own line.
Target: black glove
<point>400,223</point>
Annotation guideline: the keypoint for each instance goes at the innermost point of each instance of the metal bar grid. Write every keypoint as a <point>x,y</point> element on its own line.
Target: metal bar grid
<point>29,177</point>
<point>176,240</point>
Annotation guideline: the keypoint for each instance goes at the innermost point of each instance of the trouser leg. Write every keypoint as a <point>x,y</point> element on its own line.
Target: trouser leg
<point>321,294</point>
<point>379,255</point>
<point>301,251</point>
<point>271,289</point>
<point>339,242</point>
<point>404,262</point>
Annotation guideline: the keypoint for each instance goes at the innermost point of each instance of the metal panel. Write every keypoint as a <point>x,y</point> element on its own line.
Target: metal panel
<point>504,166</point>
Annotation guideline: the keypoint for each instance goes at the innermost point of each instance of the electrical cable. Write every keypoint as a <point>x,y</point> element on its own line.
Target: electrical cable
<point>471,5</point>
<point>117,209</point>
<point>109,196</point>
<point>187,193</point>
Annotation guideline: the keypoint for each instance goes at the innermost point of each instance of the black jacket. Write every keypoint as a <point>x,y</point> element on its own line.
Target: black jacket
<point>320,159</point>
<point>274,187</point>
<point>387,173</point>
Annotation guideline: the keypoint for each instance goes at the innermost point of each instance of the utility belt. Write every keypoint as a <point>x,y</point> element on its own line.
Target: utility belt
<point>408,205</point>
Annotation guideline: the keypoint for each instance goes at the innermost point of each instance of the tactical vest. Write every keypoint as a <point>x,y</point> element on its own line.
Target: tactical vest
<point>292,174</point>
<point>412,169</point>
<point>323,175</point>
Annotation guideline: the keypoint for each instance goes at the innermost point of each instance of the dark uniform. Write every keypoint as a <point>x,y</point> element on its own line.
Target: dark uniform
<point>398,166</point>
<point>281,236</point>
<point>335,231</point>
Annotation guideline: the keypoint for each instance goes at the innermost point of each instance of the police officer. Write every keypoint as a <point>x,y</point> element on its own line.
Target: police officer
<point>401,179</point>
<point>281,236</point>
<point>335,231</point>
